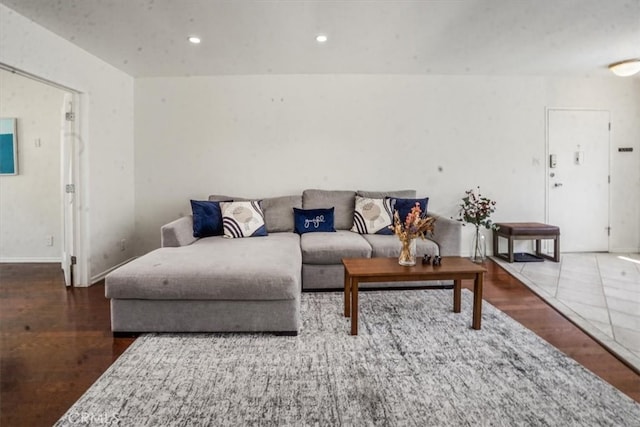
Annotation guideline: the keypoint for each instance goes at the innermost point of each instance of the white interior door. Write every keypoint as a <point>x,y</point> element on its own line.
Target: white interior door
<point>578,178</point>
<point>68,188</point>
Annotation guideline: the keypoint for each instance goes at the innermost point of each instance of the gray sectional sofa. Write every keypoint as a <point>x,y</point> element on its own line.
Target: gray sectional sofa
<point>216,284</point>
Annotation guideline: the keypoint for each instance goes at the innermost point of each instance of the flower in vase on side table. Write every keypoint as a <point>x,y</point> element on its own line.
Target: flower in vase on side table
<point>415,225</point>
<point>476,210</point>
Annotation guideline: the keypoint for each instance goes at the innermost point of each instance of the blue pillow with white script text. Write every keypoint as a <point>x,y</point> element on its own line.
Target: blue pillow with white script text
<point>313,220</point>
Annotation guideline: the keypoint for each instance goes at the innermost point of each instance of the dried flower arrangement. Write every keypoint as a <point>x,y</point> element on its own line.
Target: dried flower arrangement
<point>416,224</point>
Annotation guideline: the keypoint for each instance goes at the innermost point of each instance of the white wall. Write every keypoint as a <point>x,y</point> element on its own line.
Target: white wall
<point>30,204</point>
<point>106,120</point>
<point>274,135</point>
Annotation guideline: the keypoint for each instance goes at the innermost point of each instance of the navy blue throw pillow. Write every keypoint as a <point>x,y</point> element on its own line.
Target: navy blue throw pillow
<point>207,218</point>
<point>312,220</point>
<point>404,206</point>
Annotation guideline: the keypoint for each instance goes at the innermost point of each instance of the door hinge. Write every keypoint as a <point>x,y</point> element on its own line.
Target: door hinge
<point>609,125</point>
<point>608,231</point>
<point>70,116</point>
<point>608,179</point>
<point>70,188</point>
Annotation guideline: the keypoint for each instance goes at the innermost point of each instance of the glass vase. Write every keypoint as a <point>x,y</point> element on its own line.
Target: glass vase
<point>407,252</point>
<point>478,247</point>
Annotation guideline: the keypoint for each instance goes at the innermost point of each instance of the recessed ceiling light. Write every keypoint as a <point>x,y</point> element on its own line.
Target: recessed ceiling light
<point>321,38</point>
<point>194,39</point>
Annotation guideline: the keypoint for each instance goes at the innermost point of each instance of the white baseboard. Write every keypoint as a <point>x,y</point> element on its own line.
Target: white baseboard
<point>624,250</point>
<point>23,260</point>
<point>102,275</point>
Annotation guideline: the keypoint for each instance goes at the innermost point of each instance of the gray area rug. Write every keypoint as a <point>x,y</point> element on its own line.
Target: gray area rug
<point>415,363</point>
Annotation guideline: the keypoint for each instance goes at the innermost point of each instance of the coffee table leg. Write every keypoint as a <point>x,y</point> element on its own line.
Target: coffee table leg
<point>354,306</point>
<point>347,294</point>
<point>477,300</point>
<point>457,290</point>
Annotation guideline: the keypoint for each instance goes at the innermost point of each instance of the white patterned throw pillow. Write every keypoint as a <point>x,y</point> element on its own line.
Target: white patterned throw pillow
<point>372,216</point>
<point>243,219</point>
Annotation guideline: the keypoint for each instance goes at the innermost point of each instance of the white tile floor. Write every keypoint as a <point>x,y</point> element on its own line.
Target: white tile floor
<point>600,292</point>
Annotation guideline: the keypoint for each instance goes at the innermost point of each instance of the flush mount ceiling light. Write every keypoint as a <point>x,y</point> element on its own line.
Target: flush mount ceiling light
<point>194,39</point>
<point>625,68</point>
<point>321,38</point>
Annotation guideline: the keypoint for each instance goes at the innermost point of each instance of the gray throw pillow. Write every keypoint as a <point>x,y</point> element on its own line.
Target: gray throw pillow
<point>278,212</point>
<point>344,203</point>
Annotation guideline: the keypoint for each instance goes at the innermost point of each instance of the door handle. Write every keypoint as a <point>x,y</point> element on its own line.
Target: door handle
<point>557,184</point>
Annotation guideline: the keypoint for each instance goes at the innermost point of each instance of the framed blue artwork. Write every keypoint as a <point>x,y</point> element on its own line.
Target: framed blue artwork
<point>8,147</point>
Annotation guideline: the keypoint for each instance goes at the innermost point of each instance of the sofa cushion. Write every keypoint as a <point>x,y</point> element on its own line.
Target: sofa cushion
<point>243,219</point>
<point>313,220</point>
<point>406,194</point>
<point>278,212</point>
<point>330,248</point>
<point>372,216</point>
<point>389,246</point>
<point>342,201</point>
<point>214,268</point>
<point>207,218</point>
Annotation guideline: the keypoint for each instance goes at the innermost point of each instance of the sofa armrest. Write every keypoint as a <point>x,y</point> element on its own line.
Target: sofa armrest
<point>178,232</point>
<point>447,234</point>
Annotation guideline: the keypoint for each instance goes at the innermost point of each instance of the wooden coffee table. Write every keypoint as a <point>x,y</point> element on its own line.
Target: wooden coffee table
<point>359,270</point>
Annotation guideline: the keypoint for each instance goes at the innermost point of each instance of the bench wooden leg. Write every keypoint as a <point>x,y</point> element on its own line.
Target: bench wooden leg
<point>510,248</point>
<point>556,249</point>
<point>496,246</point>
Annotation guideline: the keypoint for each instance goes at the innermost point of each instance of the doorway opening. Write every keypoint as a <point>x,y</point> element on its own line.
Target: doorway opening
<point>40,214</point>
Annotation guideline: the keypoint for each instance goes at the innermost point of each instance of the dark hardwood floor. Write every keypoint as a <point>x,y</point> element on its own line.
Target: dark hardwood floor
<point>55,342</point>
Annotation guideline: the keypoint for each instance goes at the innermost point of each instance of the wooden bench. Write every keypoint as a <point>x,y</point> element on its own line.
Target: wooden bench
<point>527,231</point>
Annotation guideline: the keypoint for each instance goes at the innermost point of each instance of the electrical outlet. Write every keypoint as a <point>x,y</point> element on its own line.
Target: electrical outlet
<point>49,240</point>
<point>123,245</point>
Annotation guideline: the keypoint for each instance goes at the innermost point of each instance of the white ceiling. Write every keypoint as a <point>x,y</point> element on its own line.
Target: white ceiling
<point>531,37</point>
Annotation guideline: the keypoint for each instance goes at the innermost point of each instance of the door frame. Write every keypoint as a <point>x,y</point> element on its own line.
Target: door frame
<point>547,247</point>
<point>79,228</point>
<point>69,156</point>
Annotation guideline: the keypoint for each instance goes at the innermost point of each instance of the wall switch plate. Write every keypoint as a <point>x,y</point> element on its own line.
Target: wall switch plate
<point>49,240</point>
<point>123,245</point>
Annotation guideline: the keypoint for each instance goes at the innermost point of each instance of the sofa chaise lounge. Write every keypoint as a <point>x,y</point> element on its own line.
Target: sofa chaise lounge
<point>217,284</point>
